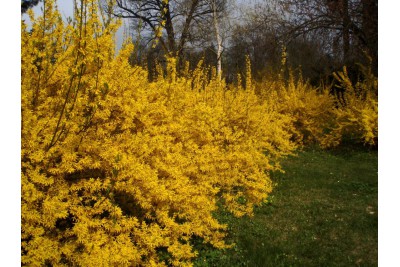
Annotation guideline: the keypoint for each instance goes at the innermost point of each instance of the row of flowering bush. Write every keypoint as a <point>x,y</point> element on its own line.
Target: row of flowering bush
<point>120,171</point>
<point>326,115</point>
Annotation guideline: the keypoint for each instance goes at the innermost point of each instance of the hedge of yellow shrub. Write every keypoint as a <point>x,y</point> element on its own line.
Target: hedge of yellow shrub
<point>320,116</point>
<point>310,109</point>
<point>357,114</point>
<point>120,171</point>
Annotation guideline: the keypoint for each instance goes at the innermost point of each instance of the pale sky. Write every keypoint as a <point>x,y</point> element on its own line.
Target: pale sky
<point>66,9</point>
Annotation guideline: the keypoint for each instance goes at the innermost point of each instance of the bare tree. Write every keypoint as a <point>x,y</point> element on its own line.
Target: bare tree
<point>352,24</point>
<point>27,4</point>
<point>213,5</point>
<point>175,17</point>
<point>320,35</point>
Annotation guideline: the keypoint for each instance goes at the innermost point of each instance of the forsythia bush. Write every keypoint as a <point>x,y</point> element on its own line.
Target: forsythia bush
<point>317,116</point>
<point>118,171</point>
<point>310,109</point>
<point>357,114</point>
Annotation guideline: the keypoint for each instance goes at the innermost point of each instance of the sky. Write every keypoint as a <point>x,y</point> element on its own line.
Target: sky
<point>66,9</point>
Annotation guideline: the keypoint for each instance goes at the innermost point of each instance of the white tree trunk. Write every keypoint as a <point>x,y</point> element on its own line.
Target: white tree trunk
<point>218,37</point>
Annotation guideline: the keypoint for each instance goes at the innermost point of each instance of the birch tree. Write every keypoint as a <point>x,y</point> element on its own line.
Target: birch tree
<point>174,17</point>
<point>218,38</point>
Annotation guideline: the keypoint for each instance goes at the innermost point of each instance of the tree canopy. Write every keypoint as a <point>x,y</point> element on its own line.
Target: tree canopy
<point>26,4</point>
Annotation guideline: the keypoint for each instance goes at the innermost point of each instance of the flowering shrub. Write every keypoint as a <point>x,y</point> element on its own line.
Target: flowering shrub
<point>311,109</point>
<point>118,171</point>
<point>357,112</point>
<point>323,118</point>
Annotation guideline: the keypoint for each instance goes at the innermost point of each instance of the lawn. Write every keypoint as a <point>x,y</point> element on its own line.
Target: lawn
<point>323,212</point>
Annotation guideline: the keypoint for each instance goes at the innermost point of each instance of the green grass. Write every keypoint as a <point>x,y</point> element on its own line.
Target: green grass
<point>323,212</point>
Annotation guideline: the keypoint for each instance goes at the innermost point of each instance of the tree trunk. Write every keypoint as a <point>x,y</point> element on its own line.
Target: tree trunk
<point>370,29</point>
<point>346,31</point>
<point>219,40</point>
<point>185,31</point>
<point>170,30</point>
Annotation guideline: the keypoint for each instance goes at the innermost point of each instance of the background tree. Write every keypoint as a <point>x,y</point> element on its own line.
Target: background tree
<point>259,34</point>
<point>174,17</point>
<point>320,36</point>
<point>26,4</point>
<point>350,26</point>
